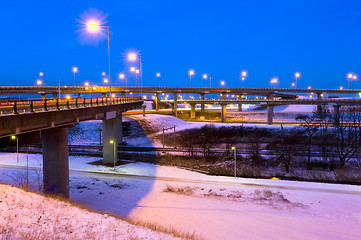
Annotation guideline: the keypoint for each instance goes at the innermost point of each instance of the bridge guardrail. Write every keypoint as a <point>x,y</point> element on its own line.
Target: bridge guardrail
<point>10,106</point>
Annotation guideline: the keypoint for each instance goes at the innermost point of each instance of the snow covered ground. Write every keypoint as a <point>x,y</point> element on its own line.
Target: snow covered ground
<point>213,207</point>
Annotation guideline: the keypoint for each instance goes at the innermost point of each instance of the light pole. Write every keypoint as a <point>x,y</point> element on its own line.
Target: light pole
<point>94,26</point>
<point>133,57</point>
<point>158,76</point>
<point>17,147</point>
<point>191,73</point>
<point>235,161</point>
<point>75,70</point>
<point>122,76</point>
<point>297,76</point>
<point>349,76</point>
<point>205,77</point>
<point>243,77</point>
<point>274,81</point>
<point>114,151</point>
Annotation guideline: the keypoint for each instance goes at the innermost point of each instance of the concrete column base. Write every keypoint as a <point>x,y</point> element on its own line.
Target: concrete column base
<point>175,104</point>
<point>202,104</point>
<point>193,111</point>
<point>224,113</point>
<point>270,114</point>
<point>110,140</point>
<point>56,161</point>
<point>336,115</point>
<point>157,101</point>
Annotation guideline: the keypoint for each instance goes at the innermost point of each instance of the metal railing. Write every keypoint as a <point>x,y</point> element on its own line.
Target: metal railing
<point>18,106</point>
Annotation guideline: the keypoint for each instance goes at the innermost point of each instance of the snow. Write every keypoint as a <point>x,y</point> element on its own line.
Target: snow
<point>136,191</point>
<point>27,215</point>
<point>214,207</point>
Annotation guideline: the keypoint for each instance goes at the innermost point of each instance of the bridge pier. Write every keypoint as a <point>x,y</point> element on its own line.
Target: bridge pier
<point>224,95</point>
<point>175,104</point>
<point>239,97</point>
<point>193,110</point>
<point>123,94</point>
<point>56,161</point>
<point>336,115</point>
<point>55,95</point>
<point>319,107</point>
<point>157,101</point>
<point>112,136</point>
<point>202,98</point>
<point>224,113</point>
<point>269,114</point>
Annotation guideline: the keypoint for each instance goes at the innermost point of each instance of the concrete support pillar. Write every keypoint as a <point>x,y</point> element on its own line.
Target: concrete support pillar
<point>104,95</point>
<point>269,114</point>
<point>319,107</point>
<point>157,101</point>
<point>224,113</point>
<point>193,110</point>
<point>123,94</point>
<point>270,95</point>
<point>336,115</point>
<point>42,95</point>
<point>119,125</point>
<point>202,104</point>
<point>56,161</point>
<point>55,95</point>
<point>175,104</point>
<point>239,97</point>
<point>224,95</point>
<point>110,134</point>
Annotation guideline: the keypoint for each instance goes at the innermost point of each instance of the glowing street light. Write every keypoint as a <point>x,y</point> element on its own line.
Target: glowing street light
<point>297,76</point>
<point>132,69</point>
<point>133,57</point>
<point>13,137</point>
<point>235,161</point>
<point>158,74</point>
<point>39,82</point>
<point>191,73</point>
<point>205,77</point>
<point>41,74</point>
<point>293,84</point>
<point>341,88</point>
<point>103,73</point>
<point>243,76</point>
<point>223,83</point>
<point>92,28</point>
<point>114,151</point>
<point>105,80</point>
<point>349,76</point>
<point>122,76</point>
<point>75,70</point>
<point>274,80</point>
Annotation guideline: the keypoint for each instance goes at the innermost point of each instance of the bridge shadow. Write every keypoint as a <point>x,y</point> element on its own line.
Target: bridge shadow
<point>103,189</point>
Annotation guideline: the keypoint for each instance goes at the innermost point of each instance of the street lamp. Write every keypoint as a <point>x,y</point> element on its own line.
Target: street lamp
<point>191,73</point>
<point>41,74</point>
<point>92,27</point>
<point>354,78</point>
<point>297,76</point>
<point>243,77</point>
<point>133,57</point>
<point>223,83</point>
<point>158,76</point>
<point>114,151</point>
<point>75,70</point>
<point>349,76</point>
<point>274,80</point>
<point>205,77</point>
<point>13,137</point>
<point>235,161</point>
<point>122,76</point>
<point>39,82</point>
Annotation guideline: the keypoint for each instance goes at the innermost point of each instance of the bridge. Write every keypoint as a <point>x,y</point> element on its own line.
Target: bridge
<point>52,117</point>
<point>270,103</point>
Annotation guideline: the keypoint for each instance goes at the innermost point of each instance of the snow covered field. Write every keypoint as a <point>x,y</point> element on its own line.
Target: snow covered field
<point>213,207</point>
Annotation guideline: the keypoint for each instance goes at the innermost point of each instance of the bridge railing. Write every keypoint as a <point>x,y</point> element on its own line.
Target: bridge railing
<point>18,106</point>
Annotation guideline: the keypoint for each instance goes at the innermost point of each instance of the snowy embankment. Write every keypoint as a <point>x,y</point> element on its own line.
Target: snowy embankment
<point>25,215</point>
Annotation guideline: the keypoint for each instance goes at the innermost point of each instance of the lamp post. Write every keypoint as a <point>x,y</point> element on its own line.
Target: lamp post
<point>158,76</point>
<point>274,81</point>
<point>114,151</point>
<point>243,77</point>
<point>133,57</point>
<point>94,26</point>
<point>191,73</point>
<point>75,70</point>
<point>297,76</point>
<point>349,76</point>
<point>235,161</point>
<point>17,147</point>
<point>122,76</point>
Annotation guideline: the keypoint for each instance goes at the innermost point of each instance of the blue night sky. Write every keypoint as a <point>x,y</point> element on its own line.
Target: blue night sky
<point>320,39</point>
